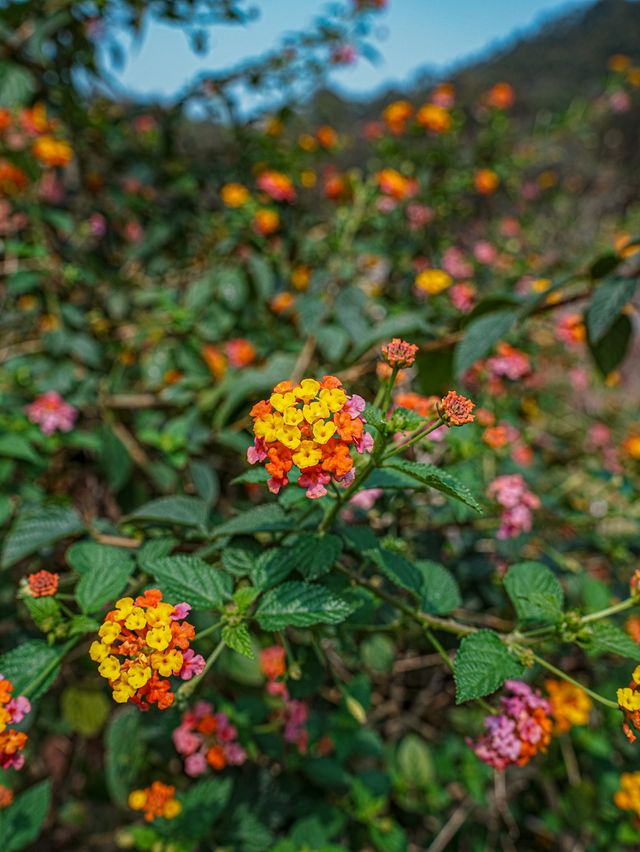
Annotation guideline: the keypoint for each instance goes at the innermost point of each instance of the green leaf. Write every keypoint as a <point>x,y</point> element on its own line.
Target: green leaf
<point>610,351</point>
<point>300,605</point>
<point>124,754</point>
<point>81,624</point>
<point>201,806</point>
<point>86,556</point>
<point>480,337</point>
<point>16,85</point>
<point>36,528</point>
<point>604,265</point>
<point>397,569</point>
<point>605,306</point>
<point>482,665</point>
<point>102,584</point>
<point>268,518</point>
<point>414,761</point>
<point>17,447</point>
<point>434,477</point>
<point>238,639</point>
<point>240,556</point>
<point>609,639</point>
<point>535,592</point>
<point>206,482</point>
<point>45,612</point>
<point>273,566</point>
<point>20,824</point>
<point>245,596</point>
<point>180,510</point>
<point>439,590</point>
<point>32,666</point>
<point>84,709</point>
<point>192,580</point>
<point>316,554</point>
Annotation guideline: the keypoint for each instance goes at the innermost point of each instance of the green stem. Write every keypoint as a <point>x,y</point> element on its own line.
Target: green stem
<point>610,610</point>
<point>187,689</point>
<point>559,673</point>
<point>413,439</point>
<point>386,399</point>
<point>202,633</point>
<point>346,495</point>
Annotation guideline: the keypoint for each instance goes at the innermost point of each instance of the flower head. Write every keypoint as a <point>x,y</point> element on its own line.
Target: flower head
<point>51,412</point>
<point>234,195</point>
<point>277,185</point>
<point>273,662</point>
<point>433,281</point>
<point>570,705</point>
<point>629,703</point>
<point>205,738</point>
<point>158,800</point>
<point>12,711</point>
<point>518,733</point>
<point>627,798</point>
<point>399,353</point>
<point>51,151</point>
<point>140,643</point>
<point>43,584</point>
<point>312,426</point>
<point>455,409</point>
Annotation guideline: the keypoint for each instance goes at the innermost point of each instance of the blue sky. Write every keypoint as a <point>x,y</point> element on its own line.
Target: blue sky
<point>415,33</point>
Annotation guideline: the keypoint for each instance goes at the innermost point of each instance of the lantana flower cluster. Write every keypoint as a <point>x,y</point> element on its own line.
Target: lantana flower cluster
<point>312,426</point>
<point>627,798</point>
<point>293,714</point>
<point>51,413</point>
<point>517,502</point>
<point>519,732</point>
<point>143,642</point>
<point>629,703</point>
<point>158,800</point>
<point>205,738</point>
<point>12,711</point>
<point>570,705</point>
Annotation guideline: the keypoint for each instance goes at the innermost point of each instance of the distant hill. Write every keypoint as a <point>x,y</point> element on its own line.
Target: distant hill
<point>548,67</point>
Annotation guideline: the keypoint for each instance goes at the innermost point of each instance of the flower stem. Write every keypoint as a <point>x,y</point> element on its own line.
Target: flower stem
<point>559,673</point>
<point>418,435</point>
<point>187,688</point>
<point>610,610</point>
<point>211,629</point>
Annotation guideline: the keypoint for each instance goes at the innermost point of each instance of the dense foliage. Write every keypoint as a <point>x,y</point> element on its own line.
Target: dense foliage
<point>319,458</point>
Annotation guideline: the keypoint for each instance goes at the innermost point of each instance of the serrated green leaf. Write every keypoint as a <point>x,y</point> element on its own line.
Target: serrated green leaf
<point>245,596</point>
<point>609,639</point>
<point>300,605</point>
<point>192,580</point>
<point>273,566</point>
<point>81,624</point>
<point>434,477</point>
<point>482,665</point>
<point>21,823</point>
<point>480,337</point>
<point>17,447</point>
<point>238,639</point>
<point>179,510</point>
<point>85,556</point>
<point>535,592</point>
<point>397,569</point>
<point>33,666</point>
<point>84,709</point>
<point>45,612</point>
<point>103,584</point>
<point>316,554</point>
<point>439,590</point>
<point>240,556</point>
<point>610,351</point>
<point>201,806</point>
<point>608,300</point>
<point>268,518</point>
<point>124,754</point>
<point>37,528</point>
<point>414,761</point>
